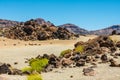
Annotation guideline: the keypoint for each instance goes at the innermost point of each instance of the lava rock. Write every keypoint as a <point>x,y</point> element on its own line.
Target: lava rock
<point>104,58</point>
<point>88,72</point>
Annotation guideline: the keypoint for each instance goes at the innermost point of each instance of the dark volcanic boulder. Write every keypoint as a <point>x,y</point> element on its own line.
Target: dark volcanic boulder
<point>8,69</point>
<point>118,44</point>
<point>105,41</point>
<point>104,58</point>
<point>5,68</point>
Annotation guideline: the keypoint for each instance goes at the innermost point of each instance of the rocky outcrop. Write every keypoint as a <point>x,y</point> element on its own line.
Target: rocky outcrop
<point>97,50</point>
<point>37,29</point>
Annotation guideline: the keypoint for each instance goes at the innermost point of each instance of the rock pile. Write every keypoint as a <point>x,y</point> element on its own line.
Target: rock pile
<point>95,51</point>
<point>37,29</point>
<point>91,52</point>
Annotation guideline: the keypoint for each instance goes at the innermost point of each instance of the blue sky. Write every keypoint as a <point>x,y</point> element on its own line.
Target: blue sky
<point>88,14</point>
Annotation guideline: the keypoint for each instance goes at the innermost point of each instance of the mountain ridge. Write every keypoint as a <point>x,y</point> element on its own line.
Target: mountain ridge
<point>69,26</point>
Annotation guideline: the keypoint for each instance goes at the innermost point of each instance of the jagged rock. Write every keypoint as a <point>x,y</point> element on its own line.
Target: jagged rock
<point>79,43</point>
<point>88,72</point>
<point>92,48</point>
<point>118,44</point>
<point>53,60</point>
<point>5,68</point>
<point>104,58</point>
<point>80,63</point>
<point>98,45</point>
<point>105,41</point>
<point>66,62</point>
<point>113,63</point>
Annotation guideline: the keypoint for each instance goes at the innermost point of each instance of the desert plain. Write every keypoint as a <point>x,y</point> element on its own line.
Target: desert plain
<point>12,51</point>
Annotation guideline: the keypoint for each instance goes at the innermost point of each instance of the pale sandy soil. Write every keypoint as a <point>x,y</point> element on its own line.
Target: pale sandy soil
<point>16,51</point>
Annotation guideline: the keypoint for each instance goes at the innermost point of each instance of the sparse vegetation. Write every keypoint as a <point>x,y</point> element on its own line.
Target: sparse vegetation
<point>79,48</point>
<point>65,52</point>
<point>27,69</point>
<point>34,77</point>
<point>38,64</point>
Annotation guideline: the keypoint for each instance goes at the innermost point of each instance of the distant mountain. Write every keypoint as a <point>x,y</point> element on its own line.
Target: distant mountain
<point>7,23</point>
<point>106,31</point>
<point>74,29</point>
<point>70,27</point>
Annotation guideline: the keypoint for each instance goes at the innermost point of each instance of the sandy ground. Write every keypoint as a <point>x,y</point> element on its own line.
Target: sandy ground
<point>16,51</point>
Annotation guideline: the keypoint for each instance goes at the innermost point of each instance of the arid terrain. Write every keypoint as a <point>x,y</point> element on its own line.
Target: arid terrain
<point>12,51</point>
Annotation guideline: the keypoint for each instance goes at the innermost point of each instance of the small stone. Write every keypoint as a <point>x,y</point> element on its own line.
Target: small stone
<point>71,76</point>
<point>88,72</point>
<point>15,63</point>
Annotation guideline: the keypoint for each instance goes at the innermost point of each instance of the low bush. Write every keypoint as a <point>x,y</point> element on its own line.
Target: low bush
<point>27,69</point>
<point>38,64</point>
<point>34,77</point>
<point>79,48</point>
<point>65,52</point>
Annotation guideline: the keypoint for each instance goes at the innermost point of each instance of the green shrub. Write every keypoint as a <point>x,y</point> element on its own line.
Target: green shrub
<point>38,64</point>
<point>27,69</point>
<point>79,48</point>
<point>65,52</point>
<point>34,77</point>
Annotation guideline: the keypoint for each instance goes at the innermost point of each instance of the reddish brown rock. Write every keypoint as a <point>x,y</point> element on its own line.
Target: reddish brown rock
<point>88,72</point>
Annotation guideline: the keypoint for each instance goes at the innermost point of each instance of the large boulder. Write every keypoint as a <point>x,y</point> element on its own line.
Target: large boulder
<point>8,69</point>
<point>5,68</point>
